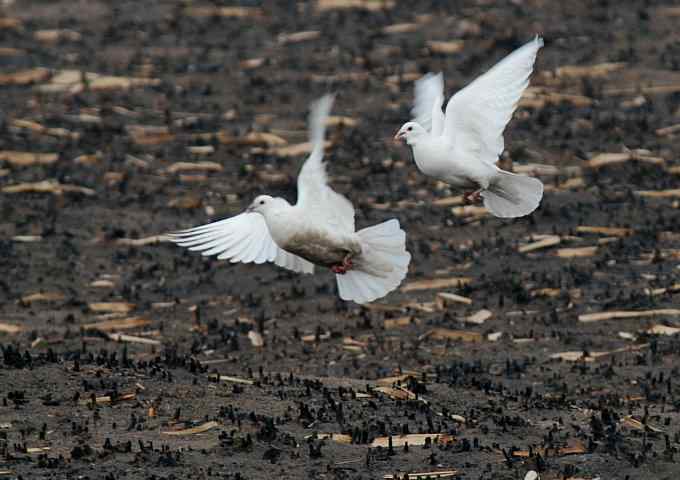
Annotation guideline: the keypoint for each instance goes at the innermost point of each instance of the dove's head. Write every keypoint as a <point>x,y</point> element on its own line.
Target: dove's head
<point>410,132</point>
<point>264,204</point>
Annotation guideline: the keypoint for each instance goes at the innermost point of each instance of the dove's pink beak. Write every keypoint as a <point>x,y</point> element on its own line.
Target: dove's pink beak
<point>399,136</point>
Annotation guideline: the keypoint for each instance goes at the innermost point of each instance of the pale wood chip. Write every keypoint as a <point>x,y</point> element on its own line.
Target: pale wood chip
<point>636,424</point>
<point>192,431</point>
<point>673,193</point>
<point>117,324</point>
<point>251,63</point>
<point>10,328</point>
<point>424,475</point>
<point>256,339</point>
<point>252,138</point>
<point>34,450</point>
<point>663,330</point>
<point>162,305</point>
<point>412,440</point>
<point>27,238</point>
<point>545,242</point>
<point>535,169</point>
<point>622,314</point>
<point>244,381</point>
<point>194,166</point>
<point>75,81</point>
<point>10,23</point>
<point>91,159</point>
<point>445,48</point>
<point>298,37</point>
<point>427,307</point>
<point>667,131</point>
<point>107,399</point>
<point>603,159</point>
<point>42,297</point>
<point>369,5</point>
<point>295,150</point>
<point>572,356</point>
<point>546,292</point>
<point>141,242</point>
<point>201,149</point>
<point>117,307</point>
<point>25,159</point>
<point>576,252</point>
<point>107,83</point>
<point>494,336</point>
<point>56,36</point>
<point>121,337</point>
<point>449,201</point>
<point>479,317</point>
<point>47,186</point>
<point>576,182</point>
<point>25,77</point>
<point>401,28</point>
<point>340,121</point>
<point>452,297</point>
<point>436,283</point>
<point>396,393</point>
<point>313,337</point>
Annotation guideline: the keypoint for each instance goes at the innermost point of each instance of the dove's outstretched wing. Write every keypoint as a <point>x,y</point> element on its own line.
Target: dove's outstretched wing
<point>315,197</point>
<point>244,238</point>
<point>477,115</point>
<point>429,98</point>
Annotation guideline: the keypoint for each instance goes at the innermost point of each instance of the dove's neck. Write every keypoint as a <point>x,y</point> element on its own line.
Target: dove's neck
<point>279,219</point>
<point>430,155</point>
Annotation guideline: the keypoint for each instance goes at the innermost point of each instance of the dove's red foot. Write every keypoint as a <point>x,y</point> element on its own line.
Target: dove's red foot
<point>344,267</point>
<point>472,197</point>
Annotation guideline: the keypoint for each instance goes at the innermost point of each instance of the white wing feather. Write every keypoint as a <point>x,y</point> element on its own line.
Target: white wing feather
<point>429,97</point>
<point>244,238</point>
<point>477,115</point>
<point>315,197</point>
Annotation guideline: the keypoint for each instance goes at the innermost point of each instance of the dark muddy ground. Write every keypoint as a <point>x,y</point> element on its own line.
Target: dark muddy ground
<point>76,404</point>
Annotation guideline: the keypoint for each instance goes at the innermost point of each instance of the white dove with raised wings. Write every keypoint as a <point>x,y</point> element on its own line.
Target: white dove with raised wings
<point>317,230</point>
<point>462,146</point>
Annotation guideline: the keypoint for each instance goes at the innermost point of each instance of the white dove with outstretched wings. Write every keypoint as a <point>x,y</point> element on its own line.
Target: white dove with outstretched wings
<point>317,230</point>
<point>462,146</point>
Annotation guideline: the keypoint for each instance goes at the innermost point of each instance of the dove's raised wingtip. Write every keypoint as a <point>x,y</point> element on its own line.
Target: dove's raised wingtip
<point>538,40</point>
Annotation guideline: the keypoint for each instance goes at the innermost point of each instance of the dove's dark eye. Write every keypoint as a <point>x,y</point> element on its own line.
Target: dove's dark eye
<point>409,129</point>
<point>261,202</point>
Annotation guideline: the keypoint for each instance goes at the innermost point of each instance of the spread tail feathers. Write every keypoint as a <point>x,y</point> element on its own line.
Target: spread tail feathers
<point>511,195</point>
<point>380,268</point>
